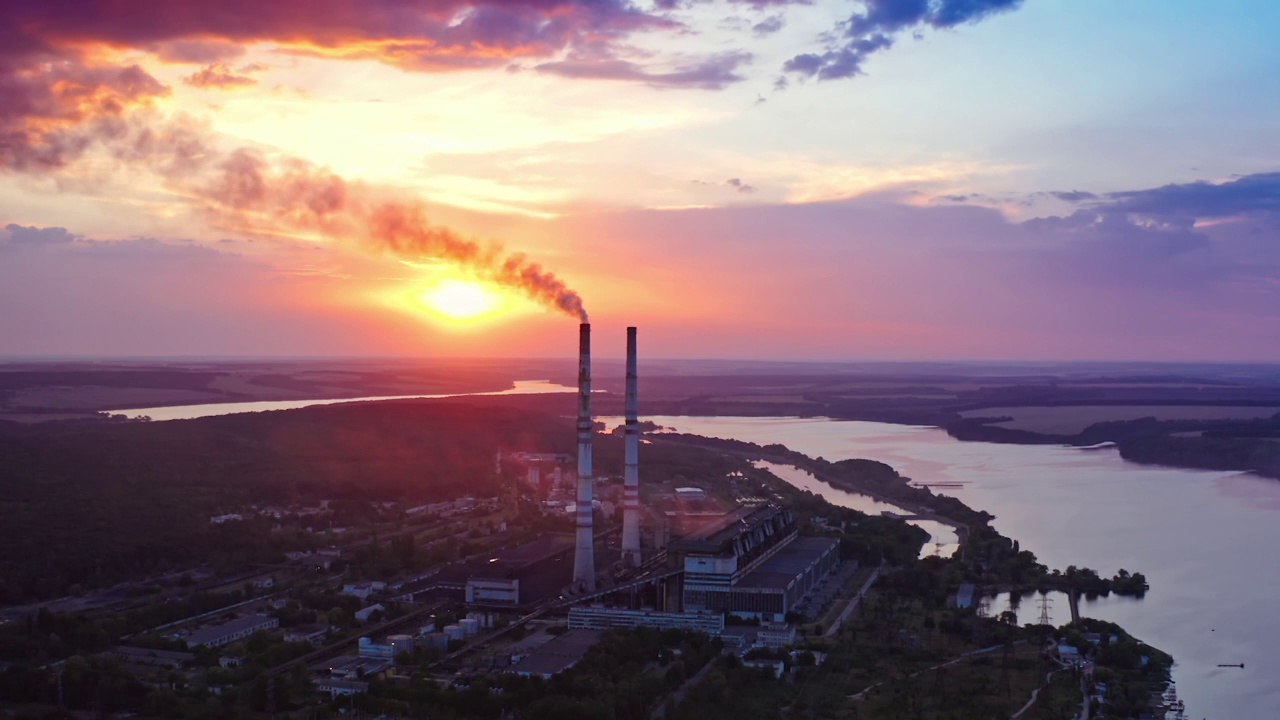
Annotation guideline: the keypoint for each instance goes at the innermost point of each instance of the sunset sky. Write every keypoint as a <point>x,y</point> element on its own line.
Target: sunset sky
<point>825,179</point>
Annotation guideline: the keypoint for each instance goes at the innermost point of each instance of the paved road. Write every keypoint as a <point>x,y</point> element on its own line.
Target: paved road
<point>853,603</point>
<point>1048,678</point>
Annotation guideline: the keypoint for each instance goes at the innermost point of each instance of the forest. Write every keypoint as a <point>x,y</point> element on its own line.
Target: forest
<point>91,504</point>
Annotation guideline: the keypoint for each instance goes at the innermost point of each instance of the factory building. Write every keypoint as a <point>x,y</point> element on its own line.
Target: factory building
<point>521,575</point>
<point>747,562</point>
<point>751,563</point>
<point>231,631</point>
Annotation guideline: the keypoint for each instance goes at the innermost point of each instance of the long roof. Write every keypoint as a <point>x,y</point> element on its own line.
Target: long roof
<point>502,563</point>
<point>716,534</point>
<point>785,566</point>
<point>204,636</point>
<point>559,654</point>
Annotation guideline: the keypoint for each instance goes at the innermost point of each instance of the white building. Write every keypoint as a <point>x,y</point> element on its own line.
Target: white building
<point>504,591</point>
<point>690,494</point>
<point>601,618</point>
<point>363,614</point>
<point>368,648</point>
<point>776,636</point>
<point>364,589</point>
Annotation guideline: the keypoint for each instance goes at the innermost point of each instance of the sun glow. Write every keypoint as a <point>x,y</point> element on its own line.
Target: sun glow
<point>460,300</point>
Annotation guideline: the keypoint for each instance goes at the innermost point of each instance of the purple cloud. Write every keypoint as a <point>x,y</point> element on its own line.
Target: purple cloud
<point>768,26</point>
<point>873,29</point>
<point>14,234</point>
<point>413,34</point>
<point>710,73</point>
<point>1154,237</point>
<point>1259,193</point>
<point>200,51</point>
<point>1073,196</point>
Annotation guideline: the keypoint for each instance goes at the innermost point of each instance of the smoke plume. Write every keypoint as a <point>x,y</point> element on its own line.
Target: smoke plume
<point>56,116</point>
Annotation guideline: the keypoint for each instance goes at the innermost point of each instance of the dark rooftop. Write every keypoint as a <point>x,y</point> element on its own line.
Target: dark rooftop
<point>502,563</point>
<point>718,532</point>
<point>559,654</point>
<point>207,635</point>
<point>780,570</point>
<point>126,653</point>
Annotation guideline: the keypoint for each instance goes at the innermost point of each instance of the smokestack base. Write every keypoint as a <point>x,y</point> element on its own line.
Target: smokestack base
<point>631,461</point>
<point>584,572</point>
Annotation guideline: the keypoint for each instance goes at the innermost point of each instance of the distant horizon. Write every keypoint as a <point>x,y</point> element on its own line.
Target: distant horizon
<point>597,356</point>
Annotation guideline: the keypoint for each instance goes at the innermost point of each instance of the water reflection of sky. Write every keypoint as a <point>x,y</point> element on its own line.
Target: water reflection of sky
<point>1204,539</point>
<point>942,538</point>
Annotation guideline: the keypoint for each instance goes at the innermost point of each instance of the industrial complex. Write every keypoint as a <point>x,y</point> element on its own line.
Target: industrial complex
<point>525,581</point>
<point>747,562</point>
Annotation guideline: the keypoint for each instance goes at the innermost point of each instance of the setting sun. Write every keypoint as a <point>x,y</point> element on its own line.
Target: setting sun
<point>461,300</point>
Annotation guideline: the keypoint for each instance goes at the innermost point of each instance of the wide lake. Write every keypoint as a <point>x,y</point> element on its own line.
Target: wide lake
<point>1206,541</point>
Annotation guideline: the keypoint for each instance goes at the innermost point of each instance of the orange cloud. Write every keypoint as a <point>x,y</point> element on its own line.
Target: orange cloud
<point>416,34</point>
<point>219,77</point>
<point>51,111</point>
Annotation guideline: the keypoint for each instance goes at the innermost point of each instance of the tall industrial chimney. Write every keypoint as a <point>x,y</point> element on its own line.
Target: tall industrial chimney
<point>584,565</point>
<point>631,463</point>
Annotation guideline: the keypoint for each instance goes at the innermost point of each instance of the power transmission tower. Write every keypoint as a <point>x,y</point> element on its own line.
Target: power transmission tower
<point>1045,602</point>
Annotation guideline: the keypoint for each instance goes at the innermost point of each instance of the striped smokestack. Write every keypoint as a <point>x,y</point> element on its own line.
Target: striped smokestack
<point>584,566</point>
<point>631,460</point>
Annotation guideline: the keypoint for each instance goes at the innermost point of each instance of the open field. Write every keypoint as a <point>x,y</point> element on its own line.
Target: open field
<point>1069,420</point>
<point>988,685</point>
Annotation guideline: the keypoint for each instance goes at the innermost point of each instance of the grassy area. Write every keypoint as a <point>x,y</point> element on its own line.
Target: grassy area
<point>990,685</point>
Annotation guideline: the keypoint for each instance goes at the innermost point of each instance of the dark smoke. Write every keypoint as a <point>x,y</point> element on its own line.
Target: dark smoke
<point>53,117</point>
<point>252,194</point>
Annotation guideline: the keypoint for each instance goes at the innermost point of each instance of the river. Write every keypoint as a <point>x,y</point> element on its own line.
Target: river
<point>189,412</point>
<point>1204,540</point>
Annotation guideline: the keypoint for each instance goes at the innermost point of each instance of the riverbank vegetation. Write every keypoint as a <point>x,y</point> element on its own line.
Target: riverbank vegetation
<point>131,500</point>
<point>1251,445</point>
